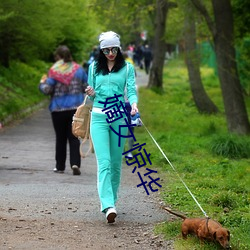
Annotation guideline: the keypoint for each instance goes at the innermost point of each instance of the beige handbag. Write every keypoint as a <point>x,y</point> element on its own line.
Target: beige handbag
<point>81,126</point>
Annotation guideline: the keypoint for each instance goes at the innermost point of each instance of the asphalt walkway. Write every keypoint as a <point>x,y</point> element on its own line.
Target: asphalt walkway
<point>31,190</point>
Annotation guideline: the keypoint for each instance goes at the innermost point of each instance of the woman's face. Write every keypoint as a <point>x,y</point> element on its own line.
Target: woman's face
<point>110,53</point>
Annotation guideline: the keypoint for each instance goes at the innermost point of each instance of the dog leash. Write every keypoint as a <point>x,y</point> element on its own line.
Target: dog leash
<point>174,170</point>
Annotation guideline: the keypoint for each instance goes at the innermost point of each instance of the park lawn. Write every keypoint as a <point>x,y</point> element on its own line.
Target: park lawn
<point>19,89</point>
<point>189,140</point>
<point>219,182</point>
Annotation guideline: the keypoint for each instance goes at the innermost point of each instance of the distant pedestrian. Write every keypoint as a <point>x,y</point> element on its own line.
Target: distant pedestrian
<point>108,76</point>
<point>93,55</point>
<point>65,84</point>
<point>147,54</point>
<point>138,56</point>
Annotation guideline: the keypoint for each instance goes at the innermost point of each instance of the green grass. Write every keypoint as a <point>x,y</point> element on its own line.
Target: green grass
<point>19,88</point>
<point>214,164</point>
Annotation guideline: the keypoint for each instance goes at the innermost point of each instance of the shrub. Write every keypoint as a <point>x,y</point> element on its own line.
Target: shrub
<point>231,146</point>
<point>223,200</point>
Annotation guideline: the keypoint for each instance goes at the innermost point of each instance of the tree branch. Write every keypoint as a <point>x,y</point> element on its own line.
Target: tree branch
<point>202,9</point>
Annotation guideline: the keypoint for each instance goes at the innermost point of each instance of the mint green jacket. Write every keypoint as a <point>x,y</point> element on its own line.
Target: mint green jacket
<point>118,83</point>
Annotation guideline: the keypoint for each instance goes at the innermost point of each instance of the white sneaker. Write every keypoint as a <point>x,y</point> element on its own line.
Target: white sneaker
<point>58,171</point>
<point>111,214</point>
<point>129,155</point>
<point>76,170</point>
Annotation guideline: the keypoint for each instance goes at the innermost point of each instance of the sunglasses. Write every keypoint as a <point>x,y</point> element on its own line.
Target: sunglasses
<point>106,51</point>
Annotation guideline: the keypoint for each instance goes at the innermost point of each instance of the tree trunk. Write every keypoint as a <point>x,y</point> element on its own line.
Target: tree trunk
<point>159,46</point>
<point>223,38</point>
<point>235,109</point>
<point>201,99</point>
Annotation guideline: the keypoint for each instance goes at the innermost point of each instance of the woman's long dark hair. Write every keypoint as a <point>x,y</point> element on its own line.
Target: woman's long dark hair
<point>102,67</point>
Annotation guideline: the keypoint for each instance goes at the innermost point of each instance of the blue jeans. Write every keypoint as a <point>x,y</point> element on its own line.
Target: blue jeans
<point>108,156</point>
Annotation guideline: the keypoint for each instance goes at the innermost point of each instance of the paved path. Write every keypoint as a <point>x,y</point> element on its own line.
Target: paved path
<point>141,78</point>
<point>31,191</point>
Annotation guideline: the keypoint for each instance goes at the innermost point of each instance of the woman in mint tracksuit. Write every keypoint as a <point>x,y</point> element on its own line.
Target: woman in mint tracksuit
<point>108,76</point>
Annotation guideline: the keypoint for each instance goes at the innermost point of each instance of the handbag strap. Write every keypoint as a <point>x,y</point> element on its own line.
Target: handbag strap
<point>85,99</point>
<point>91,148</point>
<point>86,139</point>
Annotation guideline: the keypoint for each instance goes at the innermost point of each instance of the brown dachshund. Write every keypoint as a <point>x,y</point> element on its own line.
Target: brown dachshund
<point>204,229</point>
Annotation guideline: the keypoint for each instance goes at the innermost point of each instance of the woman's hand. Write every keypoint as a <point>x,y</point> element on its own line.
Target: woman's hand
<point>90,91</point>
<point>43,79</point>
<point>134,109</point>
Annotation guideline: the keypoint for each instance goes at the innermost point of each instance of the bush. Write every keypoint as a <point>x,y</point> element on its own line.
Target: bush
<point>231,146</point>
<point>223,200</point>
<point>19,88</point>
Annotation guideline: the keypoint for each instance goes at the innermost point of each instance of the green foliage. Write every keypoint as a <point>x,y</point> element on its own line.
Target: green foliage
<point>241,17</point>
<point>29,33</point>
<point>169,229</point>
<point>243,59</point>
<point>174,25</point>
<point>231,146</point>
<point>224,200</point>
<point>19,87</point>
<point>175,28</point>
<point>219,183</point>
<point>128,18</point>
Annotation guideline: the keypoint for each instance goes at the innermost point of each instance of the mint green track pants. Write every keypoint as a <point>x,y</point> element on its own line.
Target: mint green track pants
<point>108,156</point>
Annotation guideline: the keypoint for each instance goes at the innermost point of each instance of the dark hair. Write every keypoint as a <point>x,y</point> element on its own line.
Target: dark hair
<point>64,53</point>
<point>102,67</point>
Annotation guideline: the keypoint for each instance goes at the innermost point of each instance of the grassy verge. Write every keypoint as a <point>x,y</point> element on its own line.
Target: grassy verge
<point>212,163</point>
<point>19,89</point>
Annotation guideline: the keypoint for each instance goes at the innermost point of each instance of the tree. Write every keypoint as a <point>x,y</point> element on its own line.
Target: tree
<point>201,99</point>
<point>242,33</point>
<point>223,38</point>
<point>241,17</point>
<point>128,18</point>
<point>28,33</point>
<point>159,44</point>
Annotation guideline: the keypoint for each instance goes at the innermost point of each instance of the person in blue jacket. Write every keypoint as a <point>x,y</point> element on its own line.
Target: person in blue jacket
<point>65,83</point>
<point>108,77</point>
